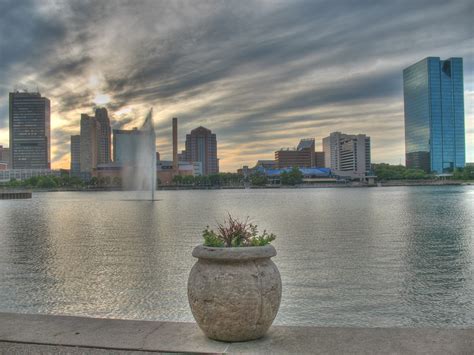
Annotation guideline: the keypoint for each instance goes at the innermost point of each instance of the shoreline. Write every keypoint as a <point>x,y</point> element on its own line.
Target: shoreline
<point>392,183</point>
<point>395,183</point>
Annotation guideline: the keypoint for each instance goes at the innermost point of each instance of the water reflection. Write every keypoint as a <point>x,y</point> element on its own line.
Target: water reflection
<point>348,257</point>
<point>438,285</point>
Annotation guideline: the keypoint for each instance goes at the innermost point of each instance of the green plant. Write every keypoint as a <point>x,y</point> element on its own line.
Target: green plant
<point>236,233</point>
<point>292,177</point>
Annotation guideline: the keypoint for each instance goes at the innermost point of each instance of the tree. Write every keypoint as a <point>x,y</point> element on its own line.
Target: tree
<point>398,172</point>
<point>46,182</point>
<point>117,181</point>
<point>93,181</point>
<point>177,179</point>
<point>188,180</point>
<point>258,179</point>
<point>215,179</point>
<point>466,173</point>
<point>292,177</point>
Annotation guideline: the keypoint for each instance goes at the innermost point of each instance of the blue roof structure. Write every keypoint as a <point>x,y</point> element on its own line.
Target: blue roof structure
<point>321,172</point>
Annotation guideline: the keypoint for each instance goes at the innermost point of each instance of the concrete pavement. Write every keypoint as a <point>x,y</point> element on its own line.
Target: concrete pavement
<point>22,333</point>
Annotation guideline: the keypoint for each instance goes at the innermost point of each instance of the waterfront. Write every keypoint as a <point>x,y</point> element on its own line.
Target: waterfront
<point>387,257</point>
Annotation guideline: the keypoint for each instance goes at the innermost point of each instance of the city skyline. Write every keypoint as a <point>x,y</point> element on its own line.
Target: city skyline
<point>260,75</point>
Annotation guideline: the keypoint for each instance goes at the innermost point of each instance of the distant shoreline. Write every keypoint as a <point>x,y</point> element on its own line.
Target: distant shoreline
<point>392,183</point>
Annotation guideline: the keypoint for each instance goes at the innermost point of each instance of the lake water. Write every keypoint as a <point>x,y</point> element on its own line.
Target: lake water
<point>399,256</point>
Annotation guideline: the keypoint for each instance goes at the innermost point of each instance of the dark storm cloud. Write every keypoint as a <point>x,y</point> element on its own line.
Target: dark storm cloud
<point>250,71</point>
<point>26,32</point>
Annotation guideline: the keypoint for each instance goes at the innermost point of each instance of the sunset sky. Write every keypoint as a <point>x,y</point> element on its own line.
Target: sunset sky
<point>259,74</point>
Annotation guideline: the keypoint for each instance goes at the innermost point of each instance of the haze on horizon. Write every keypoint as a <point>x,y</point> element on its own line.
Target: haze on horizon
<point>260,74</point>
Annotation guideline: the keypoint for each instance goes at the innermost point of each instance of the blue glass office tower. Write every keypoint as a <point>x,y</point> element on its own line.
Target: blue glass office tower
<point>434,115</point>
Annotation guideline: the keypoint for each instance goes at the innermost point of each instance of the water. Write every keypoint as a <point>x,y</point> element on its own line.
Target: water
<point>348,257</point>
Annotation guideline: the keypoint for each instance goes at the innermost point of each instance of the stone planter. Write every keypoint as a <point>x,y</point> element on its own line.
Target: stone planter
<point>234,293</point>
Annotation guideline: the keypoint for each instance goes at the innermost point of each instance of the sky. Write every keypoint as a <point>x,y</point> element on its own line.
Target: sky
<point>259,74</point>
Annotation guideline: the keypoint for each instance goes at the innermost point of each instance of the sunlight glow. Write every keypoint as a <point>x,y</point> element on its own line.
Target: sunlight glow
<point>101,99</point>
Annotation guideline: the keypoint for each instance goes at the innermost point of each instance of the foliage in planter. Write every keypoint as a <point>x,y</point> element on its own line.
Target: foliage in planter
<point>236,233</point>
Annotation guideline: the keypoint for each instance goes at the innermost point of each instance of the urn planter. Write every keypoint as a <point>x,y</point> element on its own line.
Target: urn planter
<point>234,293</point>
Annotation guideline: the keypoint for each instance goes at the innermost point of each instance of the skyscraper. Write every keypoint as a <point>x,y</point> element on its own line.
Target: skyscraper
<point>5,155</point>
<point>434,115</point>
<point>102,117</point>
<point>30,133</point>
<point>89,145</point>
<point>126,143</point>
<point>347,155</point>
<point>75,156</point>
<point>175,145</point>
<point>201,146</point>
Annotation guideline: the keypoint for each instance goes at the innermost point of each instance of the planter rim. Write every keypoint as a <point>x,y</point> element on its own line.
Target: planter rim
<point>234,253</point>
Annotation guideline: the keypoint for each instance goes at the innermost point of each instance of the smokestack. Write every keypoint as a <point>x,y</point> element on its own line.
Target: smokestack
<point>175,144</point>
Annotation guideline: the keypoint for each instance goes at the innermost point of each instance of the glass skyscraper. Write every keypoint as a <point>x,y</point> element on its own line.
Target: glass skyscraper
<point>434,115</point>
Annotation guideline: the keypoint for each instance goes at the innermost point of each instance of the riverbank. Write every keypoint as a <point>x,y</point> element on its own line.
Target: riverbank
<point>389,183</point>
<point>66,334</point>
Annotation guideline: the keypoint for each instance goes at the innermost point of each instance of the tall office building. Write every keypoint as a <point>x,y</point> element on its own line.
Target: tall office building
<point>175,145</point>
<point>304,156</point>
<point>89,145</point>
<point>75,156</point>
<point>434,115</point>
<point>301,157</point>
<point>102,117</point>
<point>30,133</point>
<point>126,143</point>
<point>201,146</point>
<point>5,156</point>
<point>347,155</point>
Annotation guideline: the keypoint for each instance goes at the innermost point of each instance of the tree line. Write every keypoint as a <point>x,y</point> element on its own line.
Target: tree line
<point>399,172</point>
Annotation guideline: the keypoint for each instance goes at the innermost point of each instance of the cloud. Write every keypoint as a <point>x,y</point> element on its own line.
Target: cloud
<point>260,74</point>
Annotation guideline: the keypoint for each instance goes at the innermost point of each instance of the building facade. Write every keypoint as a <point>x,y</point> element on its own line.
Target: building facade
<point>201,146</point>
<point>347,155</point>
<point>30,132</point>
<point>102,116</point>
<point>89,145</point>
<point>23,174</point>
<point>126,143</point>
<point>304,156</point>
<point>5,156</point>
<point>75,156</point>
<point>434,115</point>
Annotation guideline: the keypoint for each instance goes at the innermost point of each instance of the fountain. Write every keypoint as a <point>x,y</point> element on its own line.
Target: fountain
<point>140,174</point>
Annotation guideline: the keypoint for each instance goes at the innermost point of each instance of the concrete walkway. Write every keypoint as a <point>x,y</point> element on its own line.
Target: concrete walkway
<point>21,333</point>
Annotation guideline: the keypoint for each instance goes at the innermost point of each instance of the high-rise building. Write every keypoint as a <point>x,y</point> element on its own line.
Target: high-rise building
<point>304,156</point>
<point>126,143</point>
<point>319,160</point>
<point>89,145</point>
<point>30,133</point>
<point>201,146</point>
<point>434,115</point>
<point>5,156</point>
<point>347,155</point>
<point>75,156</point>
<point>102,117</point>
<point>175,144</point>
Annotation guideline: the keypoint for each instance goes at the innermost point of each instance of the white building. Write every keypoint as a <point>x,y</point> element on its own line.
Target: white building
<point>347,155</point>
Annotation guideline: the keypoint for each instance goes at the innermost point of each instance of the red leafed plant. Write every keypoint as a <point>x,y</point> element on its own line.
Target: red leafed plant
<point>236,233</point>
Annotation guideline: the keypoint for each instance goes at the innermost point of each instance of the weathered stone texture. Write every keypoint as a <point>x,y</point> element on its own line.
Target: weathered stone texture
<point>234,298</point>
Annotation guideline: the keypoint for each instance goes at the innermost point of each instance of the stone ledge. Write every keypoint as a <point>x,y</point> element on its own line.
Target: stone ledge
<point>32,333</point>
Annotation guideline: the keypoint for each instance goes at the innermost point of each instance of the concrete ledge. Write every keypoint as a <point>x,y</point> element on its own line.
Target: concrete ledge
<point>57,334</point>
